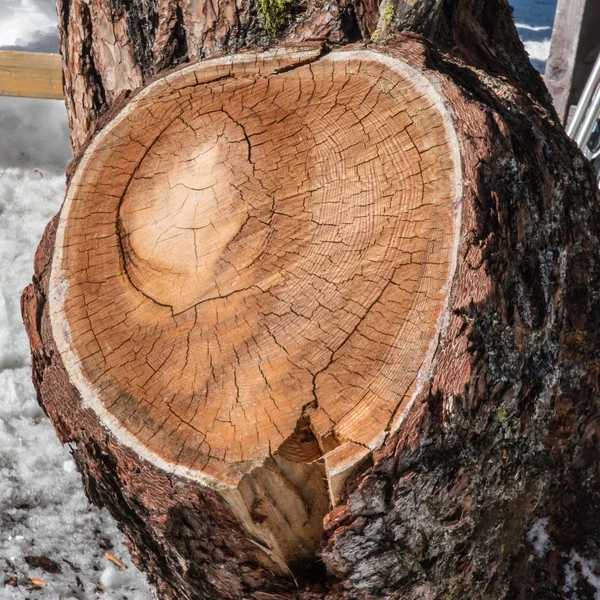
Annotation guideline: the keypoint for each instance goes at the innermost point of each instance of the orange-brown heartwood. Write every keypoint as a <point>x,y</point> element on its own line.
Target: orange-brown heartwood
<point>288,314</point>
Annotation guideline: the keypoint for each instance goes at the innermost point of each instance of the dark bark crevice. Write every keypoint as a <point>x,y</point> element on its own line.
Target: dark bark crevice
<point>142,24</point>
<point>93,77</point>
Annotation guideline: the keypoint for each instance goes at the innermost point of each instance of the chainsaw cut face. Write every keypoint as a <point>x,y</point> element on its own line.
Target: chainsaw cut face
<point>253,262</point>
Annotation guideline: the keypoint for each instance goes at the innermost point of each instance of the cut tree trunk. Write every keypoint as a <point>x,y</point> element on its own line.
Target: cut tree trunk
<point>320,312</point>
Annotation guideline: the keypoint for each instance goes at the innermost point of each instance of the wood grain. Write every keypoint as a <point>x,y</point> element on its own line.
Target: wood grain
<point>250,269</point>
<point>31,75</point>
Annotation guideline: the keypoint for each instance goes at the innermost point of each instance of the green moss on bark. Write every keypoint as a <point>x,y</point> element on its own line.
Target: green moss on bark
<point>275,14</point>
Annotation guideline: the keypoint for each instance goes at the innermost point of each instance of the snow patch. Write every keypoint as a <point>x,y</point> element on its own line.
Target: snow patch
<point>539,537</point>
<point>25,20</point>
<point>34,129</point>
<point>576,568</point>
<point>110,578</point>
<point>43,510</point>
<point>69,466</point>
<point>587,568</point>
<point>27,203</point>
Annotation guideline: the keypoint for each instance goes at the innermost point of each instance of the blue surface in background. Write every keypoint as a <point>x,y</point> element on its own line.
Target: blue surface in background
<point>534,12</point>
<point>534,20</point>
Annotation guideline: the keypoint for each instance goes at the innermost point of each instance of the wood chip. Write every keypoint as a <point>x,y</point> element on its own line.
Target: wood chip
<point>113,559</point>
<point>37,582</point>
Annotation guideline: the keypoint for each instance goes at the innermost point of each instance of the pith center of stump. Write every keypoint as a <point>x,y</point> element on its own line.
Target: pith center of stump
<point>250,268</point>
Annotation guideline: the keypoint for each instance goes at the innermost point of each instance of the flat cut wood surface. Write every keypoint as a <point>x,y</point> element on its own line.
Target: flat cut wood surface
<point>253,258</point>
<point>31,75</point>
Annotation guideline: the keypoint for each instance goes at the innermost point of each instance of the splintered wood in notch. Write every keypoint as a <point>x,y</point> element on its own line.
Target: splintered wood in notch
<point>250,270</point>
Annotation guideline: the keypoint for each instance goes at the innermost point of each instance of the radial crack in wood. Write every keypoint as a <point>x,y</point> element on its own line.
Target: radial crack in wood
<point>250,273</point>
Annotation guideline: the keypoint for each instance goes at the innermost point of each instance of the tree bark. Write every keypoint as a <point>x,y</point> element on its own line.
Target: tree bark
<point>498,448</point>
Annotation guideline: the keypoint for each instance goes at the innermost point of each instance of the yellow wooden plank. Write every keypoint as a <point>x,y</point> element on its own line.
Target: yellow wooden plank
<point>30,75</point>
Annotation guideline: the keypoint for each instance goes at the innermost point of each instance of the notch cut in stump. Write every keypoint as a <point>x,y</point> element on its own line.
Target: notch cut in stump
<point>250,272</point>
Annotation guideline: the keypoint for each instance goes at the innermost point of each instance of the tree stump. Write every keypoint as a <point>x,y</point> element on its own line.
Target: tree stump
<point>249,274</point>
<point>320,319</point>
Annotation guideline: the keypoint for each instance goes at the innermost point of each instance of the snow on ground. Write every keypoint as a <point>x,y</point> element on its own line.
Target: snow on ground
<point>33,133</point>
<point>538,536</point>
<point>577,569</point>
<point>43,510</point>
<point>24,21</point>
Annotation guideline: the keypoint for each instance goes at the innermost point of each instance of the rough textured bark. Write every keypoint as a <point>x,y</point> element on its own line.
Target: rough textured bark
<point>111,47</point>
<point>502,437</point>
